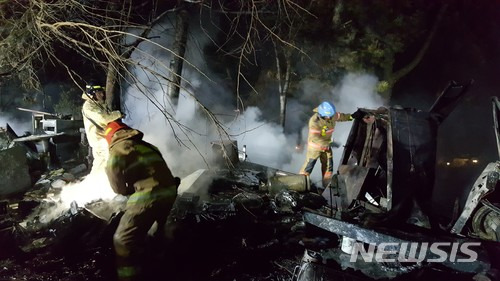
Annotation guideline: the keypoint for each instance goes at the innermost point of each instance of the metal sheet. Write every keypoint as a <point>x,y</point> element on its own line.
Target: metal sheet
<point>370,236</point>
<point>37,137</point>
<point>480,188</point>
<point>351,179</point>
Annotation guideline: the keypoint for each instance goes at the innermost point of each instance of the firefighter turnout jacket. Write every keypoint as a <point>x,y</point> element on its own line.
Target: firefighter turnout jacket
<point>137,168</point>
<point>96,116</point>
<point>321,130</point>
<point>319,142</point>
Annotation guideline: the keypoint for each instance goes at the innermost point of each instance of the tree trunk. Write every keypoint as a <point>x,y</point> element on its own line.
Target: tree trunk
<point>179,49</point>
<point>112,98</point>
<point>284,91</point>
<point>112,87</point>
<point>283,82</point>
<point>339,7</point>
<point>393,76</point>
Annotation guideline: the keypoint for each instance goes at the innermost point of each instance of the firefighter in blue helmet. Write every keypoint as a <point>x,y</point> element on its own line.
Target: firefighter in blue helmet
<point>319,139</point>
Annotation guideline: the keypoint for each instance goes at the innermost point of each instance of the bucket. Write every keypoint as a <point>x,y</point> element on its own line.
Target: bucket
<point>300,183</point>
<point>347,245</point>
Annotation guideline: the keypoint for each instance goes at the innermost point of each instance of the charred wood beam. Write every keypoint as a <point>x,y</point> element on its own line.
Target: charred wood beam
<point>371,236</point>
<point>390,163</point>
<point>449,99</point>
<point>496,121</point>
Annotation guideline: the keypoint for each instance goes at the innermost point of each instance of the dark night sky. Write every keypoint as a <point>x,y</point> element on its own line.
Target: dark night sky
<point>466,47</point>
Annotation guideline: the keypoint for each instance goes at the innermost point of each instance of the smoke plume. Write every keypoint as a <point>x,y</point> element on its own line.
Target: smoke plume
<point>184,137</point>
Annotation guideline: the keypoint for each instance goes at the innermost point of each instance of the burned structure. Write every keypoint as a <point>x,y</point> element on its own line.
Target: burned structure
<point>481,210</point>
<point>389,159</point>
<point>52,142</point>
<point>16,173</point>
<point>382,194</point>
<point>244,221</point>
<point>237,219</point>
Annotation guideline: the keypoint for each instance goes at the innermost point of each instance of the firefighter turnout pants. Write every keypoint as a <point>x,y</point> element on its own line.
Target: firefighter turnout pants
<point>326,159</point>
<point>143,209</point>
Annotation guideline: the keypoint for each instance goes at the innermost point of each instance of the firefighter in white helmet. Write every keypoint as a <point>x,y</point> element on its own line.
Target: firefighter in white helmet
<point>96,115</point>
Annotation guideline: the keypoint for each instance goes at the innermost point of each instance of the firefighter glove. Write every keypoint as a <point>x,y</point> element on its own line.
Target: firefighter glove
<point>334,144</point>
<point>359,114</point>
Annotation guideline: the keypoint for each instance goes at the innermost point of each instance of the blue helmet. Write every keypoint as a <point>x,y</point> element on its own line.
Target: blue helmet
<point>326,109</point>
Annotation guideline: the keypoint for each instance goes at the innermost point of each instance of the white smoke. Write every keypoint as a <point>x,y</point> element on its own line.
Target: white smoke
<point>185,145</point>
<point>94,186</point>
<point>184,137</point>
<point>265,141</point>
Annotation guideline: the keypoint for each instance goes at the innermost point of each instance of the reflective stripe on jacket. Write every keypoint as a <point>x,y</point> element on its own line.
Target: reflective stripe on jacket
<point>95,118</point>
<point>321,130</point>
<point>148,196</point>
<point>135,166</point>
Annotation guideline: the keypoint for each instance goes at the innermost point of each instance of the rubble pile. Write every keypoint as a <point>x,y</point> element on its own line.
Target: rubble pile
<point>236,228</point>
<point>15,172</point>
<point>242,221</point>
<point>233,230</point>
<point>42,240</point>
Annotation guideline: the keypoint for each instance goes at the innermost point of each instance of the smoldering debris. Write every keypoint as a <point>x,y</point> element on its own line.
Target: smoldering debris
<point>244,221</point>
<point>234,226</point>
<point>238,225</point>
<point>43,239</point>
